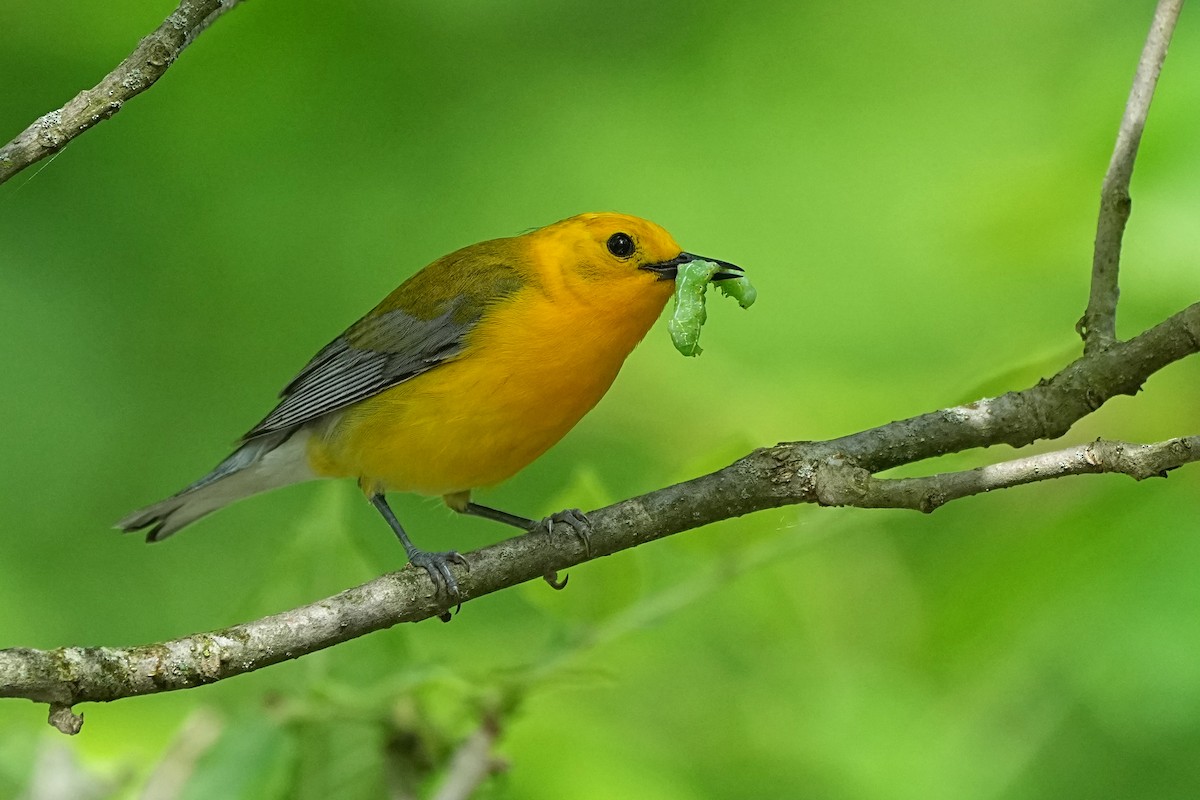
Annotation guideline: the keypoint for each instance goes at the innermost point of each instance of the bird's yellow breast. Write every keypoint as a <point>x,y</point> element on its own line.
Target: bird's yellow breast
<point>531,368</point>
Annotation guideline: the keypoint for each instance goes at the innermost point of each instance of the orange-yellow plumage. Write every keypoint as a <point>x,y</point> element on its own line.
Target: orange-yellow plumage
<point>533,366</point>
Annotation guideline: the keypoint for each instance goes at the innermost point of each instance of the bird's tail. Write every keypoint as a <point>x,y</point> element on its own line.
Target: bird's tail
<point>261,464</point>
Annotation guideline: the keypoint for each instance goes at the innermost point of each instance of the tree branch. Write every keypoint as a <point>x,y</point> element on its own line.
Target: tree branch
<point>1098,327</point>
<point>841,485</point>
<point>799,472</point>
<point>51,132</point>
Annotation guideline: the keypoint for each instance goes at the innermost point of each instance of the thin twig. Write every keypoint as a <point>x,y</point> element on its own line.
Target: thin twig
<point>839,485</point>
<point>472,764</point>
<point>170,777</point>
<point>767,478</point>
<point>1098,327</point>
<point>51,132</point>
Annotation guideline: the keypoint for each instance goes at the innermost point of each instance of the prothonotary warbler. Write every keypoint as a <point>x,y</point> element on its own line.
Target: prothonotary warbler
<point>462,376</point>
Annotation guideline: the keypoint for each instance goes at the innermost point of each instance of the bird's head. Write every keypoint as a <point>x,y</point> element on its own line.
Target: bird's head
<point>617,250</point>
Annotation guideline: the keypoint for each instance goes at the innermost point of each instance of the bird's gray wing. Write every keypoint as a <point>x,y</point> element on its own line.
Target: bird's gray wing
<point>376,353</point>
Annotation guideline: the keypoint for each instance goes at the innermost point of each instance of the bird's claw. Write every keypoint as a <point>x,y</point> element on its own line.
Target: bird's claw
<point>438,567</point>
<point>580,525</point>
<point>555,584</point>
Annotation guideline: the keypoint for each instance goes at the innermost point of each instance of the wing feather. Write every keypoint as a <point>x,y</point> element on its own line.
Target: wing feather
<point>375,354</point>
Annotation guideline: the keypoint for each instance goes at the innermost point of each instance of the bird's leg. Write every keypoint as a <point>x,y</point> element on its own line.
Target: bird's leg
<point>496,515</point>
<point>436,564</point>
<point>571,517</point>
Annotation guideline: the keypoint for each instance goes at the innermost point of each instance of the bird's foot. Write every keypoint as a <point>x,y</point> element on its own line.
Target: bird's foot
<point>578,522</point>
<point>438,567</point>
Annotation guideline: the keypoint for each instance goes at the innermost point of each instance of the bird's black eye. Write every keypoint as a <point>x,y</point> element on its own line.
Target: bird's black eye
<point>620,245</point>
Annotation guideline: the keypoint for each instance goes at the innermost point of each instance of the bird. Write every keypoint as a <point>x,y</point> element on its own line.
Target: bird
<point>467,372</point>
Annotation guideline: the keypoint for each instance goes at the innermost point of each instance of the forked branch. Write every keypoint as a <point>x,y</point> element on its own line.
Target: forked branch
<point>1098,326</point>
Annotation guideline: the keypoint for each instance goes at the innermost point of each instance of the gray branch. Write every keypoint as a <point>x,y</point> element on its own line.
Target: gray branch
<point>837,471</point>
<point>845,485</point>
<point>1099,323</point>
<point>51,132</point>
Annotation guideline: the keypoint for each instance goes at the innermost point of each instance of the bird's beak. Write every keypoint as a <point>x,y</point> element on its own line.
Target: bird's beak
<point>668,269</point>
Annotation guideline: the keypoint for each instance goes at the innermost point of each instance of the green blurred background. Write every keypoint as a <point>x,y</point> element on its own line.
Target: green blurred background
<point>913,189</point>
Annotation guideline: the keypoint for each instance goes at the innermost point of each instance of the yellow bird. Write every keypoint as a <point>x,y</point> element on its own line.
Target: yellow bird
<point>462,376</point>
